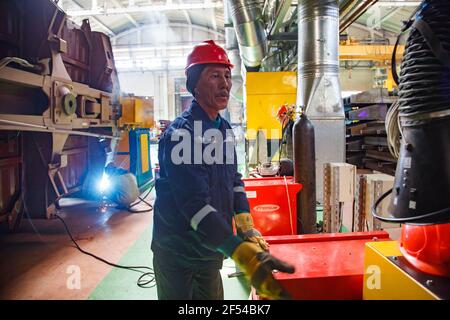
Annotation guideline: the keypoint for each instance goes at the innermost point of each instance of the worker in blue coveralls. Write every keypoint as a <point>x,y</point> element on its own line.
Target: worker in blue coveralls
<point>200,191</point>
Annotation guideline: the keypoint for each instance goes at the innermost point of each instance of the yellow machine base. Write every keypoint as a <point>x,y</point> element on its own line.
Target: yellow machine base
<point>386,276</point>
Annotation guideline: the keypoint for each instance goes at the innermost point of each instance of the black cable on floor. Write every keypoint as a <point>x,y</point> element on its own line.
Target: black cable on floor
<point>142,282</point>
<point>142,199</point>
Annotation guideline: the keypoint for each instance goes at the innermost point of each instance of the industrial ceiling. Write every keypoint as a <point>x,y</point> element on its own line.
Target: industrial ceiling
<point>143,29</point>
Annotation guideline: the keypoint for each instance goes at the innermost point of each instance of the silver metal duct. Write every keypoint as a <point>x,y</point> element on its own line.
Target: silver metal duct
<point>279,16</point>
<point>319,90</point>
<point>231,43</point>
<point>351,10</point>
<point>232,47</point>
<point>269,10</point>
<point>230,35</point>
<point>249,26</point>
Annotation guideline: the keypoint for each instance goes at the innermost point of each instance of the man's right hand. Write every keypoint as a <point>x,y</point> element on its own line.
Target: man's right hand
<point>258,266</point>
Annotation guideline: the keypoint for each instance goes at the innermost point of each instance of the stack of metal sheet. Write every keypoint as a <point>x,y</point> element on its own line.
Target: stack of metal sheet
<point>366,140</point>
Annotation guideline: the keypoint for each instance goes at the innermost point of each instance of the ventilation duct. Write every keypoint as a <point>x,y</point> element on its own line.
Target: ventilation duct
<point>251,35</point>
<point>319,90</point>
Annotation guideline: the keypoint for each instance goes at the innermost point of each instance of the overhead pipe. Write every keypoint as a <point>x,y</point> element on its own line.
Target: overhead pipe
<point>353,11</point>
<point>269,10</point>
<point>230,35</point>
<point>279,16</point>
<point>232,47</point>
<point>231,43</point>
<point>250,31</point>
<point>319,90</point>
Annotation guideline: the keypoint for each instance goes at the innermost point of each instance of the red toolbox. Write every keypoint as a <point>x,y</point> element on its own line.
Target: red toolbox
<point>328,266</point>
<point>273,204</point>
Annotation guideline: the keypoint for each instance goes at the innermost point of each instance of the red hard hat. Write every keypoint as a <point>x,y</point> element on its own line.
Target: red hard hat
<point>207,52</point>
<point>427,247</point>
<point>282,111</point>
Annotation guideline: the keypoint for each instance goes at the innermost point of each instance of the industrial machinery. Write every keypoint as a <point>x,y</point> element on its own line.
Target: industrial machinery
<point>329,266</point>
<point>418,265</point>
<point>273,204</point>
<point>265,93</point>
<point>58,106</point>
<point>133,148</point>
<point>422,183</point>
<point>315,89</point>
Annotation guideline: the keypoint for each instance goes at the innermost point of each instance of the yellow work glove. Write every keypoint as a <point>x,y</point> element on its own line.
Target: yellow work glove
<point>246,230</point>
<point>258,266</point>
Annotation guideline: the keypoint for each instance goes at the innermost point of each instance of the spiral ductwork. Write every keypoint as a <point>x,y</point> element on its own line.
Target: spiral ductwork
<point>250,32</point>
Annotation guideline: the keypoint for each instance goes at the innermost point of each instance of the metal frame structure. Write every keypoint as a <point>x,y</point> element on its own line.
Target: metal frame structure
<point>69,107</point>
<point>129,19</point>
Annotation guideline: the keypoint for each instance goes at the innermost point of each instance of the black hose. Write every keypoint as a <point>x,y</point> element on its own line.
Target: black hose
<point>425,73</point>
<point>414,219</point>
<point>140,200</point>
<point>422,177</point>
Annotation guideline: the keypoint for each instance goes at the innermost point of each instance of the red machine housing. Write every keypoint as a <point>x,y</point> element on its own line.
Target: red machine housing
<point>328,266</point>
<point>427,247</point>
<point>273,204</point>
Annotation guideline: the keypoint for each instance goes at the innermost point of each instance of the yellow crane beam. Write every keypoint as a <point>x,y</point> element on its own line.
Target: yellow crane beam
<point>369,52</point>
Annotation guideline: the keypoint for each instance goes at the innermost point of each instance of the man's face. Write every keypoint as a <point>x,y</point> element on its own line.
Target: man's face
<point>213,87</point>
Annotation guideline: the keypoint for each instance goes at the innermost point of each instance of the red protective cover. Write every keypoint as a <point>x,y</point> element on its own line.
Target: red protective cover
<point>328,266</point>
<point>273,204</point>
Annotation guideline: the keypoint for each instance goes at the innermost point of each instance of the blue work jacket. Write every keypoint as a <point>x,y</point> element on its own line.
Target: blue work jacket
<point>196,199</point>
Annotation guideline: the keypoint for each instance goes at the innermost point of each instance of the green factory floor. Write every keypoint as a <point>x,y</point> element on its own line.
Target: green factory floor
<point>48,266</point>
<point>120,284</point>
